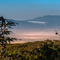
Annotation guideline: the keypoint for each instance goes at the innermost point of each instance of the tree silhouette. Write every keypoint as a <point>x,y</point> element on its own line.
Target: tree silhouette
<point>10,39</point>
<point>4,26</point>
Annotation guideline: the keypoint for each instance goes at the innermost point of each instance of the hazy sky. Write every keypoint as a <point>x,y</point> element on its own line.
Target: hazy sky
<point>28,9</point>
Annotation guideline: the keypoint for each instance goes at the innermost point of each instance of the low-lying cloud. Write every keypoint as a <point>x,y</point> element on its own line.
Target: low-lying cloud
<point>37,22</point>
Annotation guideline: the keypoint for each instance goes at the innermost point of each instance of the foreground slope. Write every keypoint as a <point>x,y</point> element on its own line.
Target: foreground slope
<point>39,50</point>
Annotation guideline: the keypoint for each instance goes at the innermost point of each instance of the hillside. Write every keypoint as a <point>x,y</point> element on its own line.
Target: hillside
<point>39,50</point>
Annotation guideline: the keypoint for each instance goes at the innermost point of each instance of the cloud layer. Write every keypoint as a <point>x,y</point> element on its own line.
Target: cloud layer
<point>38,22</point>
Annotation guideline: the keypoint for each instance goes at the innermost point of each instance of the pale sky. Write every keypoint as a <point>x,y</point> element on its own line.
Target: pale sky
<point>28,9</point>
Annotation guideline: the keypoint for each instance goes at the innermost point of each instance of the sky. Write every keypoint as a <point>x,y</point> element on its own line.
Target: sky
<point>28,9</point>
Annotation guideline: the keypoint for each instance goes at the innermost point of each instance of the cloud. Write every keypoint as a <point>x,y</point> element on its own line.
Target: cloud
<point>37,22</point>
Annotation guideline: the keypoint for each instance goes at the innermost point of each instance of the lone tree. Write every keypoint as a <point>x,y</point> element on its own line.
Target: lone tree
<point>4,26</point>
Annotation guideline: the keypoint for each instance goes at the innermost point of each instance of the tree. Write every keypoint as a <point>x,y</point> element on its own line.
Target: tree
<point>4,26</point>
<point>10,39</point>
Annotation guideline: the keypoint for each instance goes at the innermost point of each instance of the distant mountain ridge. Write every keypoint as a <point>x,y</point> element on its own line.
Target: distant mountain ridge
<point>48,21</point>
<point>47,17</point>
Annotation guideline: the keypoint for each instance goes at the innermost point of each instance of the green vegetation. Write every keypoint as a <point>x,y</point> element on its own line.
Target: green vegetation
<point>39,50</point>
